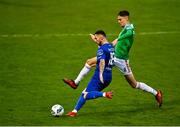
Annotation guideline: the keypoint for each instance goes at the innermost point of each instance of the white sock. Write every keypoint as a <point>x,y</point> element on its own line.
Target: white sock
<point>85,70</point>
<point>104,94</point>
<point>145,87</point>
<point>74,110</point>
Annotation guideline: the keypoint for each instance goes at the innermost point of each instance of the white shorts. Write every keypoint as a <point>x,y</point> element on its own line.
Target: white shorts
<point>123,66</point>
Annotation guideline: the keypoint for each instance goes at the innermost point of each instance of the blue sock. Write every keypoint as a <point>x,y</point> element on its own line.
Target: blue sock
<point>80,102</point>
<point>94,95</point>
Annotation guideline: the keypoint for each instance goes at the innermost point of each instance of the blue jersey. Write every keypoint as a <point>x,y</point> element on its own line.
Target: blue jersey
<point>105,52</point>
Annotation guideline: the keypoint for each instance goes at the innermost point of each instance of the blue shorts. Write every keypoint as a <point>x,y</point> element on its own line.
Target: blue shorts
<point>96,85</point>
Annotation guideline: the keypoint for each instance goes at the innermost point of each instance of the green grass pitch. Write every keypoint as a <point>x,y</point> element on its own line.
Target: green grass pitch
<point>42,41</point>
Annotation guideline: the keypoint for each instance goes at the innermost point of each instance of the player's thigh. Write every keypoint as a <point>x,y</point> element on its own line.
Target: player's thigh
<point>107,79</point>
<point>96,85</point>
<point>123,66</point>
<point>93,85</point>
<point>92,61</point>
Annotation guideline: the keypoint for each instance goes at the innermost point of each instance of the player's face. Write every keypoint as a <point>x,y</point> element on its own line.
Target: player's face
<point>99,39</point>
<point>122,20</point>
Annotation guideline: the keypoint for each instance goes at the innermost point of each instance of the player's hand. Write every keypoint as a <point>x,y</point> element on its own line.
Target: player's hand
<point>93,37</point>
<point>101,78</point>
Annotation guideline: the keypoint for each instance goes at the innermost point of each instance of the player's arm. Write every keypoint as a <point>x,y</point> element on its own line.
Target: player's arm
<point>101,69</point>
<point>114,42</point>
<point>93,37</point>
<point>128,33</point>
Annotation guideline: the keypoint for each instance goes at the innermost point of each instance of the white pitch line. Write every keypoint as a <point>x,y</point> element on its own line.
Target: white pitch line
<point>159,32</point>
<point>78,34</point>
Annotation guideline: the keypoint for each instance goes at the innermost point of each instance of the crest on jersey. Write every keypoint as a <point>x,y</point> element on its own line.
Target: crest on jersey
<point>100,52</point>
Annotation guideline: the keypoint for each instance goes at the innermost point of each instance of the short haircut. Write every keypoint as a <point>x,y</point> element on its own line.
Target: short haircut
<point>101,32</point>
<point>123,13</point>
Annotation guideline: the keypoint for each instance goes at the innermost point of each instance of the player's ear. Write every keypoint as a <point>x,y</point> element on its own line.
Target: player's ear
<point>127,17</point>
<point>102,38</point>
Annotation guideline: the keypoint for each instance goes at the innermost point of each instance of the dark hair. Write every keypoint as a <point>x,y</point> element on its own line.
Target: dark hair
<point>101,32</point>
<point>123,13</point>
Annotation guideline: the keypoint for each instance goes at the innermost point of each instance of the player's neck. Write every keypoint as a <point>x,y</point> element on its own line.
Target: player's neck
<point>126,23</point>
<point>104,42</point>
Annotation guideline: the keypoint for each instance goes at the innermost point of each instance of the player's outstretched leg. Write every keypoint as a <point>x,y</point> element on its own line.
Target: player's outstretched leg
<point>142,86</point>
<point>85,70</point>
<point>74,83</point>
<point>88,96</point>
<point>78,106</point>
<point>96,94</point>
<point>157,93</point>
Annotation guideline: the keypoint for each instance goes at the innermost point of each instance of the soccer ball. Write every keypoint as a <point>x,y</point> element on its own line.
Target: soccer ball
<point>57,110</point>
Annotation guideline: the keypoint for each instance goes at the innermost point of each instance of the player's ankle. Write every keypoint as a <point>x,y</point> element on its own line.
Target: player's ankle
<point>74,110</point>
<point>104,94</point>
<point>76,82</point>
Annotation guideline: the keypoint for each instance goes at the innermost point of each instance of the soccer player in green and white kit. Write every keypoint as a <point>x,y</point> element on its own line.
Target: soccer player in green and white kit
<point>122,45</point>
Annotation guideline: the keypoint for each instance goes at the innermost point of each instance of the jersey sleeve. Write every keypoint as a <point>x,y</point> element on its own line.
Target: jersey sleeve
<point>101,54</point>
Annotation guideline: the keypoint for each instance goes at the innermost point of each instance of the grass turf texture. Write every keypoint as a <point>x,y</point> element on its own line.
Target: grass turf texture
<point>31,68</point>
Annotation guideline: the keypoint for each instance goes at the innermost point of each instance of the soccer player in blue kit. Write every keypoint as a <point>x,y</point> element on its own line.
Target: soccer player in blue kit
<point>102,76</point>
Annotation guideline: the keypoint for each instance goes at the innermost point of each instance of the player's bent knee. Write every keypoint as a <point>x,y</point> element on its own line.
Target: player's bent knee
<point>89,62</point>
<point>84,94</point>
